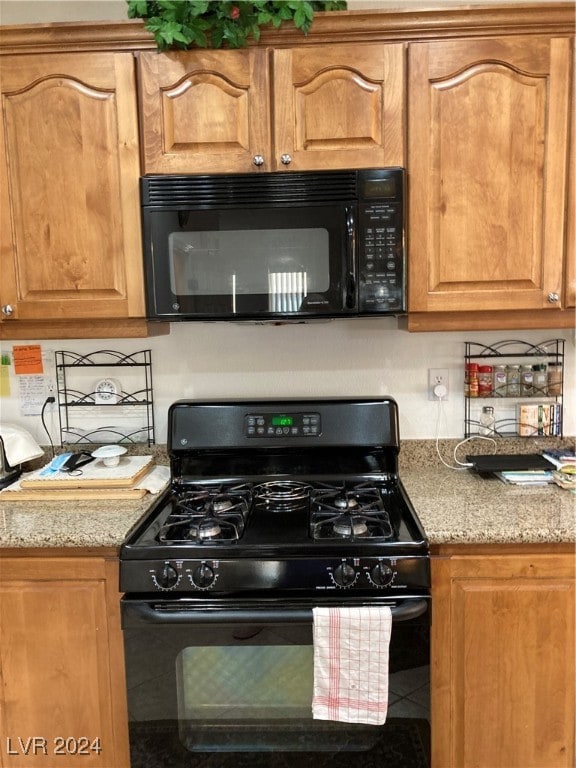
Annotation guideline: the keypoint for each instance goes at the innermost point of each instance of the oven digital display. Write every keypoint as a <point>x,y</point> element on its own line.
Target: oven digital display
<point>282,425</point>
<point>282,421</point>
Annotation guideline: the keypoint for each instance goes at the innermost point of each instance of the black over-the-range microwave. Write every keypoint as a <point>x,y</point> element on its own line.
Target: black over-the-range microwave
<point>275,246</point>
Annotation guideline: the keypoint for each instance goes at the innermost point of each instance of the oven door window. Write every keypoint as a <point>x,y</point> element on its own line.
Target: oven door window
<point>242,698</point>
<point>249,263</point>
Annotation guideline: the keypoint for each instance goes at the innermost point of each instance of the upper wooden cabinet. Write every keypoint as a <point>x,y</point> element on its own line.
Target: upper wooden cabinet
<point>203,111</point>
<point>487,159</point>
<point>302,108</point>
<point>69,162</point>
<point>339,106</point>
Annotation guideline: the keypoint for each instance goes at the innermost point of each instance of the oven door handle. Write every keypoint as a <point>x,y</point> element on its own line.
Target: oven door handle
<point>140,612</point>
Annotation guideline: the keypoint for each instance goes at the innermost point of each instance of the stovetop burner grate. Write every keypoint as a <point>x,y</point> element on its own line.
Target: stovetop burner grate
<point>345,511</point>
<point>207,515</point>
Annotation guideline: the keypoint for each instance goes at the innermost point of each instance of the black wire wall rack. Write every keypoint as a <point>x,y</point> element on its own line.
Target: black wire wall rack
<point>537,414</point>
<point>105,396</point>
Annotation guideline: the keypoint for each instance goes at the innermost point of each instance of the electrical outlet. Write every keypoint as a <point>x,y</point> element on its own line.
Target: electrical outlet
<point>50,390</point>
<point>438,377</point>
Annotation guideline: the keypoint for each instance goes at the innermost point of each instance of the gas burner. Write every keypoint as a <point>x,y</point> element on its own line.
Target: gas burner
<point>344,502</point>
<point>348,526</point>
<point>207,514</point>
<point>348,511</point>
<point>282,495</point>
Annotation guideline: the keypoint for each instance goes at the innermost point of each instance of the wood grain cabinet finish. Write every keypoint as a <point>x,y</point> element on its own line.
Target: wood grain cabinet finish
<point>61,664</point>
<point>488,144</point>
<point>503,650</point>
<point>204,112</point>
<point>70,240</point>
<point>294,109</point>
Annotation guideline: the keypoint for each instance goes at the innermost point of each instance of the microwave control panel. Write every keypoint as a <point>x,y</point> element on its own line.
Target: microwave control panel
<point>381,278</point>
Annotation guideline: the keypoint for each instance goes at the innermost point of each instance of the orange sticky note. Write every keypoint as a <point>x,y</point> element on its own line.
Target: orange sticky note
<point>27,359</point>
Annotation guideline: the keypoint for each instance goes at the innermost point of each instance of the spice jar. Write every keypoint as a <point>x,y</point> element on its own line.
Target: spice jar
<point>471,380</point>
<point>487,421</point>
<point>513,380</point>
<point>526,381</point>
<point>499,381</point>
<point>485,381</point>
<point>539,379</point>
<point>554,379</point>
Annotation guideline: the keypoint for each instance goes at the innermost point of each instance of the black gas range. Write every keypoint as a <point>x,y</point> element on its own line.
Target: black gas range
<point>292,500</point>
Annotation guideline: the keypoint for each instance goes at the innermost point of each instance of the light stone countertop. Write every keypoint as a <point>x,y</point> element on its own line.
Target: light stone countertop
<point>455,507</point>
<point>461,507</point>
<point>70,523</point>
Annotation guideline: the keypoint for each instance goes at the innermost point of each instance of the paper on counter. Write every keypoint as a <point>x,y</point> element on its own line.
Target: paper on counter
<point>156,480</point>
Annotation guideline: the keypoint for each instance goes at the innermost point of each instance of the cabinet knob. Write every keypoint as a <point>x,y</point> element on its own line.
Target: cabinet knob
<point>553,298</point>
<point>7,310</point>
<point>285,159</point>
<point>258,160</point>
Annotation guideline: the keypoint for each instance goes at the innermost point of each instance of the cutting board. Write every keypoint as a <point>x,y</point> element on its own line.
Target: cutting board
<point>73,494</point>
<point>126,474</point>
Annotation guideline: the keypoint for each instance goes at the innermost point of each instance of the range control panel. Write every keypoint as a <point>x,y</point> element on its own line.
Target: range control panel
<point>282,425</point>
<point>322,574</point>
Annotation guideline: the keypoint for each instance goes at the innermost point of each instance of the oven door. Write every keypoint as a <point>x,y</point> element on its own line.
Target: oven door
<point>223,687</point>
<point>262,262</point>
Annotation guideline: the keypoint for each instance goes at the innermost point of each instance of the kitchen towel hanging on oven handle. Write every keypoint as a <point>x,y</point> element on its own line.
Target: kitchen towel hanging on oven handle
<point>351,649</point>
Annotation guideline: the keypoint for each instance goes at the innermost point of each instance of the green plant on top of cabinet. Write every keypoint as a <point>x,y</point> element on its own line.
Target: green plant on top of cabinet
<point>332,106</point>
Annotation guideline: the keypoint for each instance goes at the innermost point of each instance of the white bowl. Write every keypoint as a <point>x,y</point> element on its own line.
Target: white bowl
<point>110,454</point>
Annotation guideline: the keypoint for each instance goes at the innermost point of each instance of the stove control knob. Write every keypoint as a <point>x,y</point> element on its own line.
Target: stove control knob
<point>381,575</point>
<point>203,576</point>
<point>167,577</point>
<point>344,575</point>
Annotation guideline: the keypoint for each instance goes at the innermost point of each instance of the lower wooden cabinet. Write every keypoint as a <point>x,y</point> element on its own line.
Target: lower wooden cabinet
<point>62,699</point>
<point>503,651</point>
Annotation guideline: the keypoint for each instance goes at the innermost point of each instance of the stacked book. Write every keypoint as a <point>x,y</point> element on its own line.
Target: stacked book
<point>536,419</point>
<point>529,477</point>
<point>564,459</point>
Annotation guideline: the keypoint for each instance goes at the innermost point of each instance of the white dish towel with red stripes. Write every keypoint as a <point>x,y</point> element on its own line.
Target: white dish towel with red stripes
<point>351,647</point>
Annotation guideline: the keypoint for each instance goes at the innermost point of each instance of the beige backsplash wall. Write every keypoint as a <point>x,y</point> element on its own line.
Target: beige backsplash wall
<point>359,357</point>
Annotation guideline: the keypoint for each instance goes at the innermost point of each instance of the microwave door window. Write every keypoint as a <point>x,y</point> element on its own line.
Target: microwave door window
<point>248,271</point>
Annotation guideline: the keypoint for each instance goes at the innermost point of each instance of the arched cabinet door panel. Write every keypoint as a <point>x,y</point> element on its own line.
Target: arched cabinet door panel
<point>339,106</point>
<point>487,157</point>
<point>69,159</point>
<point>204,111</point>
<point>260,109</point>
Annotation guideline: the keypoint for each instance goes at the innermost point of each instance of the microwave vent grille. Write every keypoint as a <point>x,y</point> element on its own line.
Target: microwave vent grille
<point>248,189</point>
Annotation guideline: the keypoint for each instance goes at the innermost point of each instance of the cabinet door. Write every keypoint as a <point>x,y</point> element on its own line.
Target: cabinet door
<point>487,158</point>
<point>71,244</point>
<point>204,111</point>
<point>339,106</point>
<point>503,662</point>
<point>62,701</point>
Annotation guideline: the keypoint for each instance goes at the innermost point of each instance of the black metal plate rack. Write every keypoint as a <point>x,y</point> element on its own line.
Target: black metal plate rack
<point>89,390</point>
<point>513,414</point>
